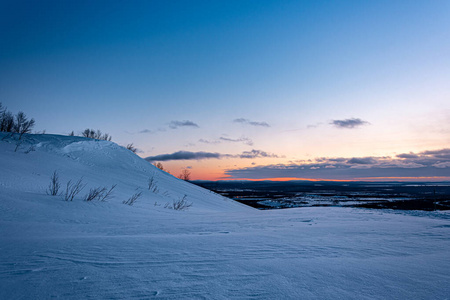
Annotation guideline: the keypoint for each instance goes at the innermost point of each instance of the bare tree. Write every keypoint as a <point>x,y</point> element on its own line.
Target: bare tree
<point>23,125</point>
<point>7,122</point>
<point>159,166</point>
<point>185,175</point>
<point>14,124</point>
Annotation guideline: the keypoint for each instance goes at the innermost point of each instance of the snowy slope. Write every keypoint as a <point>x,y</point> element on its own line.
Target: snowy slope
<point>99,163</point>
<point>218,249</point>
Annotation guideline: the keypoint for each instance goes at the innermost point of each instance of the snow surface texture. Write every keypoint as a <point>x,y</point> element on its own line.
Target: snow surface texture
<point>216,249</point>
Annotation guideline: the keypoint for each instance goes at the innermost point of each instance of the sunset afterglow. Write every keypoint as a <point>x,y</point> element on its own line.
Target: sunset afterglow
<point>237,90</point>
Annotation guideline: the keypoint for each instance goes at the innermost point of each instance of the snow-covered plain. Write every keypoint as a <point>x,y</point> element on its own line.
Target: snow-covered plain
<point>217,249</point>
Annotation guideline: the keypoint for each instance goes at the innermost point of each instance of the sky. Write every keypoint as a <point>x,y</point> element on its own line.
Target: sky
<point>318,90</point>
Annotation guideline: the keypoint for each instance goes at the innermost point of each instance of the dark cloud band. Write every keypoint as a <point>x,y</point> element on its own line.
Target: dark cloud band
<point>252,123</point>
<point>187,155</point>
<point>349,123</point>
<point>424,164</point>
<point>185,123</point>
<point>184,155</point>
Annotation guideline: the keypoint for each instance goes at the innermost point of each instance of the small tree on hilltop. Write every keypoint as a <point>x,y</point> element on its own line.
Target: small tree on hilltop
<point>6,121</point>
<point>23,125</point>
<point>159,166</point>
<point>185,175</point>
<point>14,124</point>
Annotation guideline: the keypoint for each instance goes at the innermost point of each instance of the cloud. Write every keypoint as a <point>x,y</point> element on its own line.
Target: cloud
<point>442,164</point>
<point>185,123</point>
<point>361,160</point>
<point>435,163</point>
<point>249,122</point>
<point>244,140</point>
<point>184,155</point>
<point>313,125</point>
<point>187,155</point>
<point>146,131</point>
<point>408,155</point>
<point>349,123</point>
<point>443,153</point>
<point>208,141</point>
<point>256,154</point>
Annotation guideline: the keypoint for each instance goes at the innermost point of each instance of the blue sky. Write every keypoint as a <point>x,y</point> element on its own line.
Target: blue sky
<point>175,76</point>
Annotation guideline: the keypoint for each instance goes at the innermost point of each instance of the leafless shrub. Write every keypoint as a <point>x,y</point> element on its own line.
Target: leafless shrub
<point>151,182</point>
<point>181,204</point>
<point>107,194</point>
<point>152,185</point>
<point>133,198</point>
<point>92,134</point>
<point>99,193</point>
<point>94,193</point>
<point>73,189</point>
<point>54,186</point>
<point>131,148</point>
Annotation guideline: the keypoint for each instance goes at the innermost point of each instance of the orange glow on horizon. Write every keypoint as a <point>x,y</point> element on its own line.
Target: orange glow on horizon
<point>369,179</point>
<point>209,171</point>
<point>432,178</point>
<point>281,179</point>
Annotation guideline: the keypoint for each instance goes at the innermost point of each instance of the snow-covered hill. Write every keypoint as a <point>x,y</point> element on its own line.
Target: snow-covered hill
<point>28,170</point>
<point>217,249</point>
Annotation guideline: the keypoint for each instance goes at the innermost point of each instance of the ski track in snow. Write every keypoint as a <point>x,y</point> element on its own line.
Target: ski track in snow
<point>218,249</point>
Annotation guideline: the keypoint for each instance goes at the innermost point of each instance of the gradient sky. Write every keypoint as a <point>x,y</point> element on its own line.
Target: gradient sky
<point>342,90</point>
